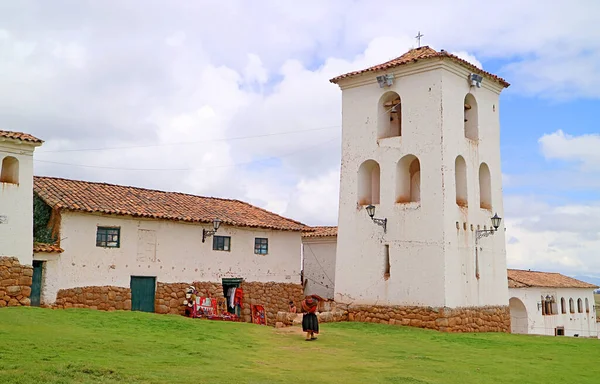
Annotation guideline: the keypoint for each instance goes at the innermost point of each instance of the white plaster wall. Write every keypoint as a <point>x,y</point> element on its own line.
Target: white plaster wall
<point>50,275</point>
<point>16,203</point>
<point>431,262</point>
<point>319,265</point>
<point>583,324</point>
<point>180,254</point>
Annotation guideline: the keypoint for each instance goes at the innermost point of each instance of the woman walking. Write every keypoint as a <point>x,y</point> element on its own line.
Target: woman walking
<point>310,323</point>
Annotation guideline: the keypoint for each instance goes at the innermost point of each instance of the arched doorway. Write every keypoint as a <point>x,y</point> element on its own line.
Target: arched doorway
<point>518,316</point>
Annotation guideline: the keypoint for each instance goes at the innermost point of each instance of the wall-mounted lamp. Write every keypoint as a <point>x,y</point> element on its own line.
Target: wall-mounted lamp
<point>486,232</point>
<point>216,225</point>
<point>539,305</point>
<point>371,213</point>
<point>385,80</point>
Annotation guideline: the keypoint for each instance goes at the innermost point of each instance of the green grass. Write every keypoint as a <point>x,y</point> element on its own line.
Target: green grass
<point>84,346</point>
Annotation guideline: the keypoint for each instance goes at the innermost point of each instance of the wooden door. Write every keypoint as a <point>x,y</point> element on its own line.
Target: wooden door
<point>143,290</point>
<point>36,283</point>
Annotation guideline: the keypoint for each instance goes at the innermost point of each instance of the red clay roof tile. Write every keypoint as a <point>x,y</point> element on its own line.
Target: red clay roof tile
<point>46,248</point>
<point>518,278</point>
<point>320,232</point>
<point>20,136</point>
<point>85,196</point>
<point>419,54</point>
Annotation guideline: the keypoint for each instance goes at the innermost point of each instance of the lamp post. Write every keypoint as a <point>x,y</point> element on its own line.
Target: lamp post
<point>216,225</point>
<point>381,222</point>
<point>485,233</point>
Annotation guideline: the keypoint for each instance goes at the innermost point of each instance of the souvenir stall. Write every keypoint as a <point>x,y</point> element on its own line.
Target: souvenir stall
<point>212,308</point>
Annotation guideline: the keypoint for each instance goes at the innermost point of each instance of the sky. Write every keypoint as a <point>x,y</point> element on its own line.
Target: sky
<point>232,99</point>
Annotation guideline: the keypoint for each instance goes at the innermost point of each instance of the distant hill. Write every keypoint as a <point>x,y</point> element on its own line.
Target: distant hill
<point>589,279</point>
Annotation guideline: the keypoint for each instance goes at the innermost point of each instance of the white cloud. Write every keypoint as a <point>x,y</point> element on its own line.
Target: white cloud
<point>468,57</point>
<point>582,149</point>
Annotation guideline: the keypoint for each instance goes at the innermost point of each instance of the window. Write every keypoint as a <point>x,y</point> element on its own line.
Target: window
<point>563,305</point>
<point>10,170</point>
<point>389,122</point>
<point>261,246</point>
<point>386,265</point>
<point>471,118</point>
<point>368,183</point>
<point>221,243</point>
<point>571,305</point>
<point>485,187</point>
<point>587,306</point>
<point>579,306</point>
<point>460,178</point>
<point>408,180</point>
<point>108,237</point>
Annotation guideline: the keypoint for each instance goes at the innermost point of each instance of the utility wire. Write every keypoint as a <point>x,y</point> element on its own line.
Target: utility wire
<point>190,142</point>
<point>186,169</point>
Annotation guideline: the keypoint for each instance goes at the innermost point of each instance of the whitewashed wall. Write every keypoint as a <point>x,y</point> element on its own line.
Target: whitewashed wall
<point>319,265</point>
<point>180,255</point>
<point>16,205</point>
<point>583,324</point>
<point>432,262</point>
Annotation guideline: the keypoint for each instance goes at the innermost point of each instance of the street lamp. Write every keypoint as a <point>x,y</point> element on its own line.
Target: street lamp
<point>216,225</point>
<point>485,233</point>
<point>371,213</point>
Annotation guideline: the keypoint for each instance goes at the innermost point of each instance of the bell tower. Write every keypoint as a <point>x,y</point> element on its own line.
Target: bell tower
<point>420,175</point>
<point>16,195</point>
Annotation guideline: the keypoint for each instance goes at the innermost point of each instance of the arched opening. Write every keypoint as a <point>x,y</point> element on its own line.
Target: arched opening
<point>518,316</point>
<point>408,180</point>
<point>471,118</point>
<point>10,170</point>
<point>563,305</point>
<point>389,121</point>
<point>587,306</point>
<point>485,187</point>
<point>579,306</point>
<point>571,305</point>
<point>368,183</point>
<point>460,178</point>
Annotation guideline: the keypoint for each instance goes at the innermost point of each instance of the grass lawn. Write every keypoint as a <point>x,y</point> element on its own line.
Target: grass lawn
<point>85,346</point>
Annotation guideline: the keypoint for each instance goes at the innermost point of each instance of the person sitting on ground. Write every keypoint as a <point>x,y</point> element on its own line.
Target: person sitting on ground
<point>292,307</point>
<point>310,322</point>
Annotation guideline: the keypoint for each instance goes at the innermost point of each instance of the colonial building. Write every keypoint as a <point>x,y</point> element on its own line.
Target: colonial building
<point>318,261</point>
<point>544,303</point>
<point>421,148</point>
<point>142,241</point>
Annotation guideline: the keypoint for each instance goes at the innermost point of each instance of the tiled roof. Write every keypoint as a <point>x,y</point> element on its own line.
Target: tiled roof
<point>518,278</point>
<point>419,54</point>
<point>320,232</point>
<point>20,136</point>
<point>85,196</point>
<point>46,248</point>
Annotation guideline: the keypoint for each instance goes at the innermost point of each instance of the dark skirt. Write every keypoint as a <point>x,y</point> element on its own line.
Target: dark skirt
<point>310,323</point>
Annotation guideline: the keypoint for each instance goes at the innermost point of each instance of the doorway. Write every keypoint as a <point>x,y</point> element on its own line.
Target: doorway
<point>36,283</point>
<point>229,284</point>
<point>143,291</point>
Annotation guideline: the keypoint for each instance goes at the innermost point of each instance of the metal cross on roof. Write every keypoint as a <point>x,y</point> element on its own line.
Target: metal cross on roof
<point>418,37</point>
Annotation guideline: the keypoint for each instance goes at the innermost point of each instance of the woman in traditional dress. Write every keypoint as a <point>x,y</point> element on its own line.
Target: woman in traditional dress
<point>310,323</point>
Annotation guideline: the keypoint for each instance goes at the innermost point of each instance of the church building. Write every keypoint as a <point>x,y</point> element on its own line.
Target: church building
<point>420,184</point>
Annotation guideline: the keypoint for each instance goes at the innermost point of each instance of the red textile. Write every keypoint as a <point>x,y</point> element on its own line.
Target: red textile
<point>238,297</point>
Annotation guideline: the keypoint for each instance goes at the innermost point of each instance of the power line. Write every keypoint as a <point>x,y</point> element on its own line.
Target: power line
<point>191,142</point>
<point>185,169</point>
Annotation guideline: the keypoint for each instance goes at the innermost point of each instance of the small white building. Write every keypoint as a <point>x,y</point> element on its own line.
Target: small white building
<point>318,261</point>
<point>544,303</point>
<point>125,237</point>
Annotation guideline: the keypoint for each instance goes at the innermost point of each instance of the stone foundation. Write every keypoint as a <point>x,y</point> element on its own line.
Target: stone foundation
<point>15,282</point>
<point>107,298</point>
<point>275,297</point>
<point>472,319</point>
<point>169,296</point>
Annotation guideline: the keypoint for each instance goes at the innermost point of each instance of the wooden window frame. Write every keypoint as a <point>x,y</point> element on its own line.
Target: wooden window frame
<point>222,240</point>
<point>260,244</point>
<point>102,237</point>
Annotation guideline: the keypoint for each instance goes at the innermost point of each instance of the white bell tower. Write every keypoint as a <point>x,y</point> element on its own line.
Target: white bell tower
<point>421,148</point>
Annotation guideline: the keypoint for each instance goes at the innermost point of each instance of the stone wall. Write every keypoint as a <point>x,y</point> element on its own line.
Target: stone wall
<point>474,319</point>
<point>275,297</point>
<point>107,298</point>
<point>170,296</point>
<point>15,282</point>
